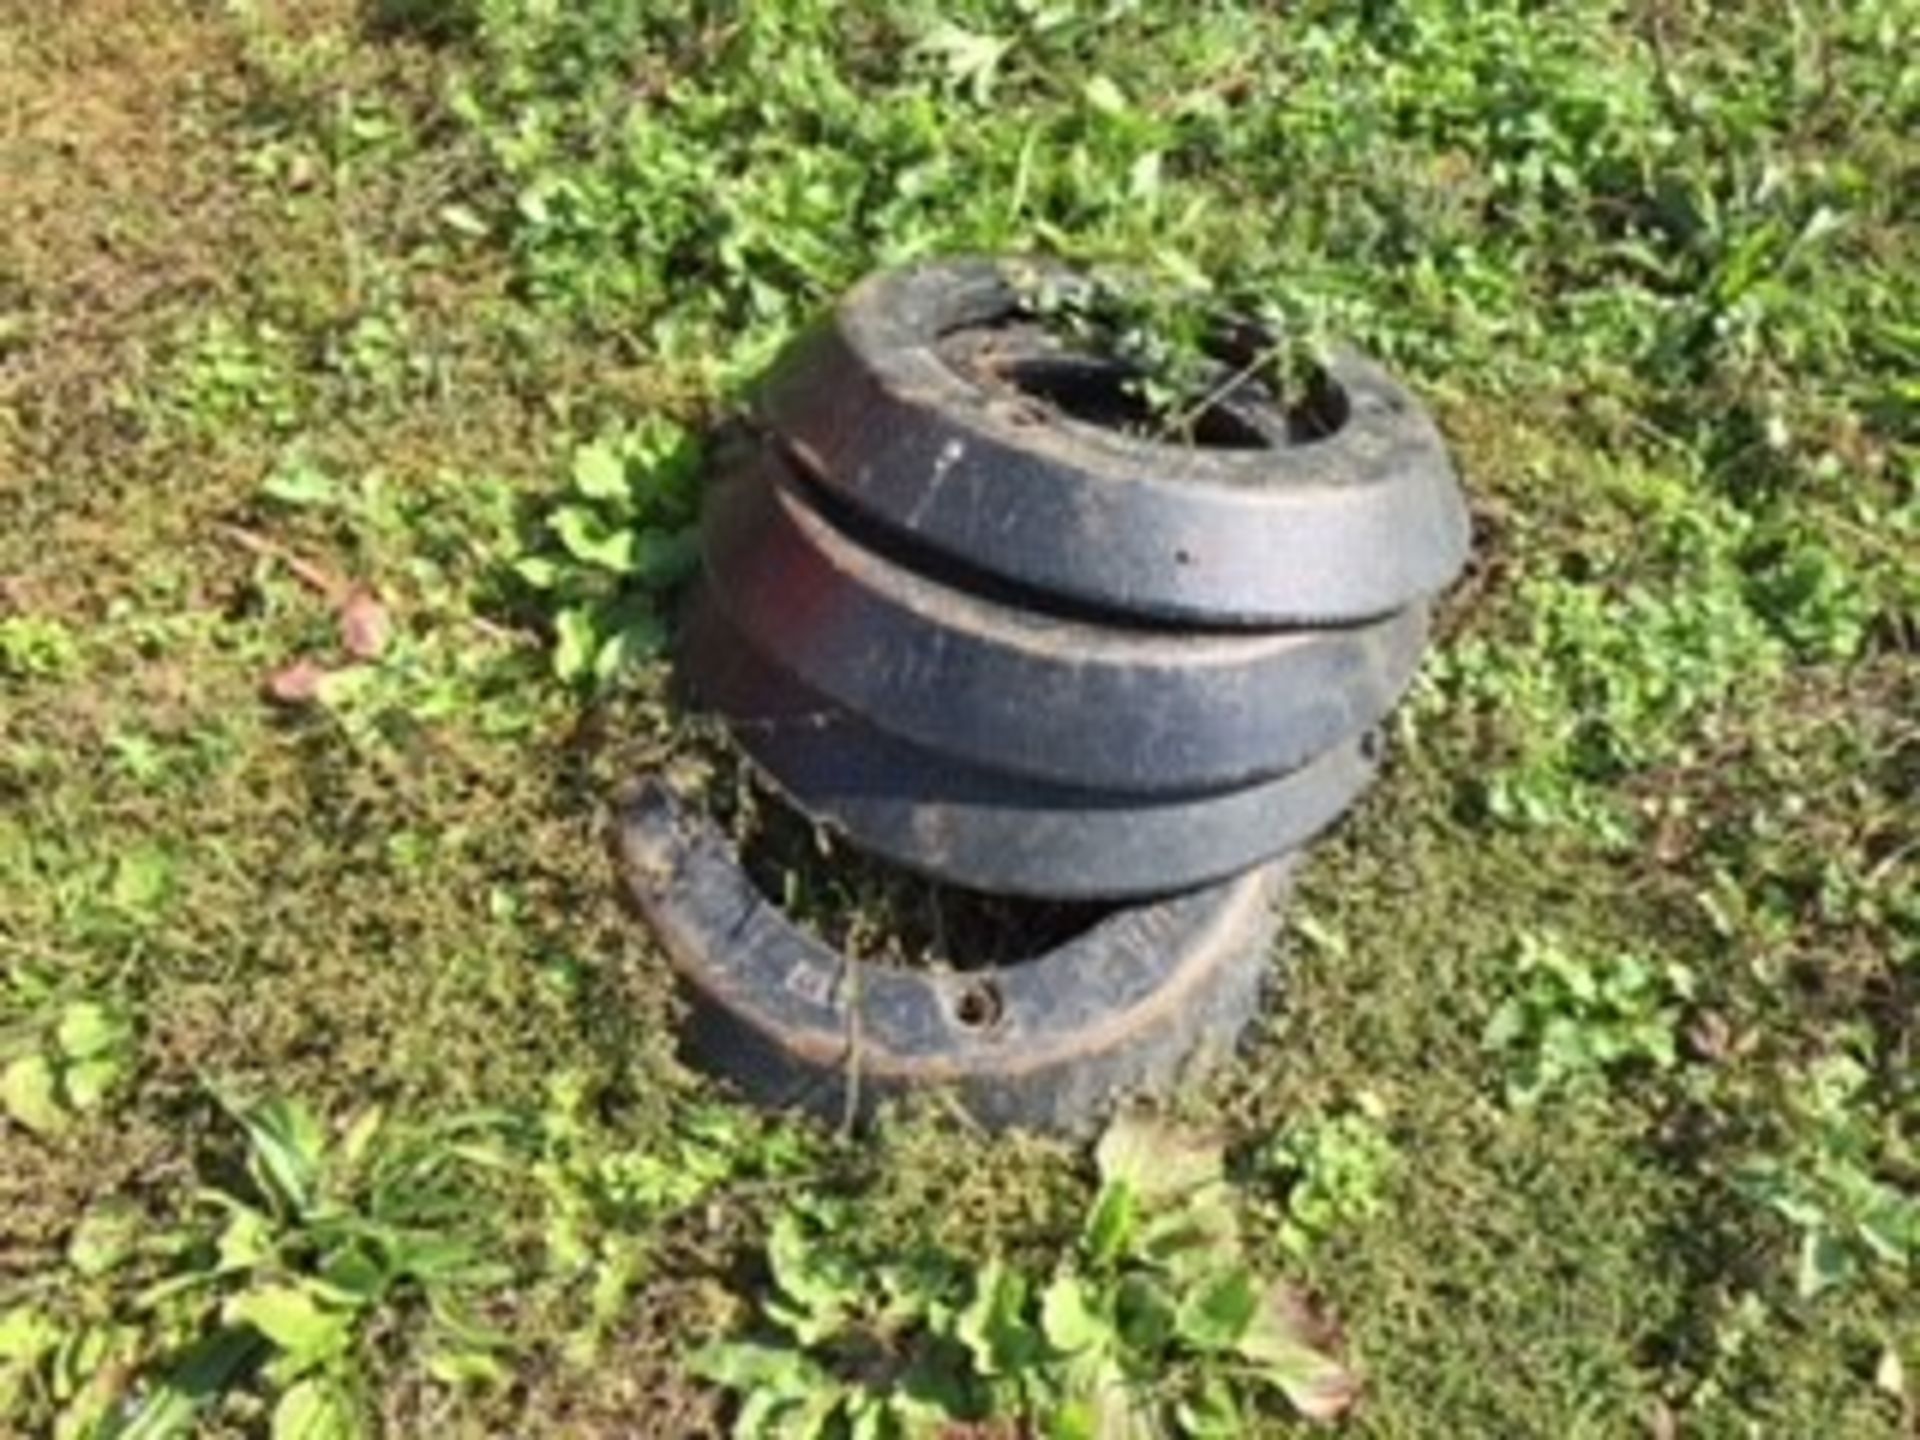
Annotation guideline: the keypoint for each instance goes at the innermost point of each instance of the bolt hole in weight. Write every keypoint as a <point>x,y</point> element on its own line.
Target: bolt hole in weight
<point>978,1007</point>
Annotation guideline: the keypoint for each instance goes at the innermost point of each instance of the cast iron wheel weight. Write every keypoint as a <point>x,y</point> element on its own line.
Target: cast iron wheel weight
<point>966,608</point>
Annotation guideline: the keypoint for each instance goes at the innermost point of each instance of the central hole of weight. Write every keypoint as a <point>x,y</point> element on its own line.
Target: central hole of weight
<point>1248,408</point>
<point>878,914</point>
<point>1107,395</point>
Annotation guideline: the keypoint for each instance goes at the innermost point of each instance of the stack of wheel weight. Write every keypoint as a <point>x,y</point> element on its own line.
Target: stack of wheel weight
<point>962,606</point>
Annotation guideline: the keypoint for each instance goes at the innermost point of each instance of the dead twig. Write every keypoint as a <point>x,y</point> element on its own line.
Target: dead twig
<point>316,577</point>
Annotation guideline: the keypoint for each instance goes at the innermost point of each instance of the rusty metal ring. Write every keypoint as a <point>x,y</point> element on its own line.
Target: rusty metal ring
<point>1138,1003</point>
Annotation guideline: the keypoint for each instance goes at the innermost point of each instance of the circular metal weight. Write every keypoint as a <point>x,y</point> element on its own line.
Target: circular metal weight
<point>1356,517</point>
<point>1139,1003</point>
<point>988,679</point>
<point>988,831</point>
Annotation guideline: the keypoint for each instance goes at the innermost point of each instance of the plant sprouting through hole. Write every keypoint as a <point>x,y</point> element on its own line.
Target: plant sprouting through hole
<point>1183,354</point>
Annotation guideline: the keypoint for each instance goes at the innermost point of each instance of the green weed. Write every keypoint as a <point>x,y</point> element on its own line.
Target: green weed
<point>1572,1021</point>
<point>1832,1182</point>
<point>621,536</point>
<point>60,1057</point>
<point>604,1202</point>
<point>35,647</point>
<point>1175,348</point>
<point>232,373</point>
<point>326,1249</point>
<point>1154,1325</point>
<point>1335,1170</point>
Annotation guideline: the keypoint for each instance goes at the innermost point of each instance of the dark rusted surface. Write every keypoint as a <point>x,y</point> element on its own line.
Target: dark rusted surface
<point>999,680</point>
<point>1350,524</point>
<point>984,830</point>
<point>1136,1004</point>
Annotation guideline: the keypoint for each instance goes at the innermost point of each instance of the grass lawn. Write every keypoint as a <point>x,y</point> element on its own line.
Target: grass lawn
<point>338,1092</point>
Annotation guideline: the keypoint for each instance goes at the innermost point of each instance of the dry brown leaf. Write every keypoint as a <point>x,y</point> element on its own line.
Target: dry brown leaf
<point>1297,1346</point>
<point>366,625</point>
<point>298,683</point>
